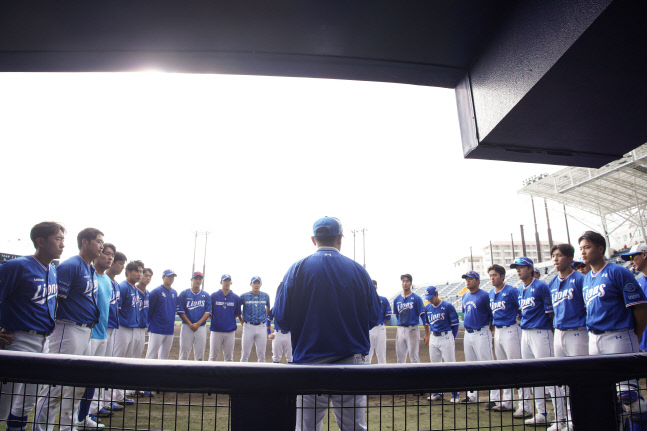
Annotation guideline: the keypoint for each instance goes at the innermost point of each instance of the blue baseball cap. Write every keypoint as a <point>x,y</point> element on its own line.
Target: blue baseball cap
<point>577,263</point>
<point>225,277</point>
<point>256,278</point>
<point>331,223</point>
<point>636,249</point>
<point>430,292</point>
<point>169,273</point>
<point>471,274</point>
<point>522,261</point>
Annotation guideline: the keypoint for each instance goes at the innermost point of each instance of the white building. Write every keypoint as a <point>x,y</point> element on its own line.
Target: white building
<point>464,264</point>
<point>502,252</point>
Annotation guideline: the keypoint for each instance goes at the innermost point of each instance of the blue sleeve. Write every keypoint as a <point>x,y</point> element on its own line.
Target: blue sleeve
<point>118,293</point>
<point>420,305</point>
<point>281,307</point>
<point>489,309</point>
<point>152,304</point>
<point>545,296</point>
<point>388,309</point>
<point>179,304</point>
<point>207,305</point>
<point>10,275</point>
<point>455,330</point>
<point>267,301</point>
<point>237,311</point>
<point>374,303</point>
<point>453,317</point>
<point>395,307</point>
<point>631,290</point>
<point>66,274</point>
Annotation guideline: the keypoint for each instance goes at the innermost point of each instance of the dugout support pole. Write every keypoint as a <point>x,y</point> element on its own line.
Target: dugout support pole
<point>263,411</point>
<point>594,407</point>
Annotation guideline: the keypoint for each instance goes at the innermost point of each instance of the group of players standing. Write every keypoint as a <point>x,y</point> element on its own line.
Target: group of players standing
<point>79,308</point>
<point>602,312</point>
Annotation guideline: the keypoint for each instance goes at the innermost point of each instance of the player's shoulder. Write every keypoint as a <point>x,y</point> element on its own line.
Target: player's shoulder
<point>17,263</point>
<point>383,298</point>
<point>70,263</point>
<point>540,284</point>
<point>613,269</point>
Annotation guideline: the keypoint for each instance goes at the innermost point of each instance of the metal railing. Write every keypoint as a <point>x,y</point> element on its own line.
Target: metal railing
<point>263,396</point>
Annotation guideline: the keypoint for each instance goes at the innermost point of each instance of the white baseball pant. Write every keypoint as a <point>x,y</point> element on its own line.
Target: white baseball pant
<point>101,396</point>
<point>159,346</point>
<point>614,342</point>
<point>253,334</point>
<point>139,342</point>
<point>377,337</point>
<point>224,341</point>
<point>124,340</point>
<point>190,340</point>
<point>507,345</point>
<point>19,398</point>
<point>536,344</point>
<point>407,340</point>
<point>572,342</point>
<point>70,339</point>
<point>281,344</point>
<point>477,346</point>
<point>350,410</point>
<point>442,348</point>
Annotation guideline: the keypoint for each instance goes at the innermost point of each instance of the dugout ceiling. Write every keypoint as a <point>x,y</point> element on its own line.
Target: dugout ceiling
<point>539,81</point>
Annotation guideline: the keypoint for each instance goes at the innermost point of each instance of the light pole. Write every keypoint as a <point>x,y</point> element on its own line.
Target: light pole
<point>195,244</point>
<point>364,244</point>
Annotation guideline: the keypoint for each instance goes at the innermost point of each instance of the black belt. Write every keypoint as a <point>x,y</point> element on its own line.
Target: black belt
<point>470,330</point>
<point>440,334</point>
<point>255,324</point>
<point>82,325</point>
<point>283,332</point>
<point>33,332</point>
<point>581,328</point>
<point>407,326</point>
<point>504,326</point>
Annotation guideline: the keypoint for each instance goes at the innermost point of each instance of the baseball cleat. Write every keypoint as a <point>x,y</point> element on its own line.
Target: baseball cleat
<point>128,401</point>
<point>435,397</point>
<point>115,407</point>
<point>538,419</point>
<point>88,424</point>
<point>558,426</point>
<point>103,413</point>
<point>503,407</point>
<point>144,394</point>
<point>490,405</point>
<point>466,400</point>
<point>521,413</point>
<point>455,400</point>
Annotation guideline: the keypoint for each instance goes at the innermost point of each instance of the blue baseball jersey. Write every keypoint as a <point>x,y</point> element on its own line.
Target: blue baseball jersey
<point>568,301</point>
<point>253,307</point>
<point>104,293</point>
<point>535,305</point>
<point>28,292</point>
<point>271,319</point>
<point>194,305</point>
<point>328,303</point>
<point>408,310</point>
<point>129,312</point>
<point>608,295</point>
<point>643,284</point>
<point>77,291</point>
<point>504,305</point>
<point>144,301</point>
<point>442,317</point>
<point>115,305</point>
<point>385,307</point>
<point>224,310</point>
<point>162,307</point>
<point>476,307</point>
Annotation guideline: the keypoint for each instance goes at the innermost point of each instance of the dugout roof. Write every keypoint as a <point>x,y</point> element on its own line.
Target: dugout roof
<point>616,187</point>
<point>557,82</point>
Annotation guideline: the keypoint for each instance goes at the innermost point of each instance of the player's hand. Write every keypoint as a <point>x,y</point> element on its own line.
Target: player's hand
<point>194,327</point>
<point>271,336</point>
<point>427,340</point>
<point>6,338</point>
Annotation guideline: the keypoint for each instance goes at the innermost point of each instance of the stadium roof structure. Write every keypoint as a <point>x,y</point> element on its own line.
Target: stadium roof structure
<point>618,188</point>
<point>541,82</point>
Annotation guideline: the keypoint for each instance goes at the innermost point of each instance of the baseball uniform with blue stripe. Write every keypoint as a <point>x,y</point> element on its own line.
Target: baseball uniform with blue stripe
<point>571,336</point>
<point>377,334</point>
<point>28,292</point>
<point>477,343</point>
<point>193,306</point>
<point>162,308</point>
<point>224,310</point>
<point>407,339</point>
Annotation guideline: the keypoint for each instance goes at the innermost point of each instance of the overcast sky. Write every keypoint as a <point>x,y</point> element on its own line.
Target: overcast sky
<point>149,158</point>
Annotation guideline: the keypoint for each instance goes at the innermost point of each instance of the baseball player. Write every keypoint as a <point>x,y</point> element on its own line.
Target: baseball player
<point>99,338</point>
<point>256,309</point>
<point>161,317</point>
<point>477,343</point>
<point>28,289</point>
<point>129,318</point>
<point>194,308</point>
<point>638,258</point>
<point>328,290</point>
<point>377,334</point>
<point>571,337</point>
<point>441,327</point>
<point>616,312</point>
<point>76,315</point>
<point>408,308</point>
<point>507,335</point>
<point>536,306</point>
<point>144,302</point>
<point>580,266</point>
<point>281,340</point>
<point>225,309</point>
<point>102,397</point>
